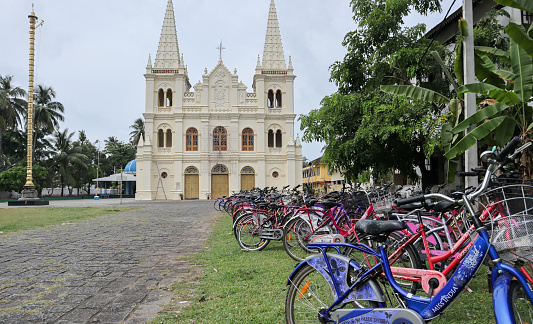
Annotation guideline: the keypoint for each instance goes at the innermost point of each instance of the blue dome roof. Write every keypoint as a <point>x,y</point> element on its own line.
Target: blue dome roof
<point>131,167</point>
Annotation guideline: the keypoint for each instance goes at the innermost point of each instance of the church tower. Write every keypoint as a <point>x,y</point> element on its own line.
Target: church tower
<point>216,138</point>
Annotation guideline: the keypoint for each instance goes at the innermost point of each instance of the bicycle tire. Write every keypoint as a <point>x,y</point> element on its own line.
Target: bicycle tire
<point>308,293</point>
<point>216,205</point>
<point>248,236</point>
<point>522,308</point>
<point>295,243</point>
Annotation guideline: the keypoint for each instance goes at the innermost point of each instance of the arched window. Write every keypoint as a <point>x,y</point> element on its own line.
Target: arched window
<point>278,138</point>
<point>220,139</point>
<point>247,170</point>
<point>278,99</point>
<point>169,138</point>
<point>270,99</point>
<point>161,98</point>
<point>191,170</point>
<point>160,138</point>
<point>191,140</point>
<point>219,168</point>
<point>247,139</point>
<point>270,138</point>
<point>169,97</point>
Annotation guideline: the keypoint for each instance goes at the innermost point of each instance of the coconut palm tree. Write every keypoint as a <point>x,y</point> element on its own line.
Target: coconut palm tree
<point>12,107</point>
<point>138,131</point>
<point>47,112</point>
<point>66,155</point>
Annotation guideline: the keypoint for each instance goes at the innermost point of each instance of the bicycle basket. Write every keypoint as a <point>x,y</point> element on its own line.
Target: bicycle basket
<point>513,238</point>
<point>355,199</point>
<point>382,204</point>
<point>513,199</point>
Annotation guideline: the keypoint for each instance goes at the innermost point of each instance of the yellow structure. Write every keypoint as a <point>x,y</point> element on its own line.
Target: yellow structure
<point>317,177</point>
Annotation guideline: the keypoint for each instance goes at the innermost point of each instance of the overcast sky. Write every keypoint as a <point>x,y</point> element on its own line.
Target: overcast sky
<point>94,52</point>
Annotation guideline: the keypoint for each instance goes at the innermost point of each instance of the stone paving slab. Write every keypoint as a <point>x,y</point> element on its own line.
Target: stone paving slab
<point>109,269</point>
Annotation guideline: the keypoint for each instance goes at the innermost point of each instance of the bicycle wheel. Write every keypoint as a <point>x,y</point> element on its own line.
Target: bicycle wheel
<point>247,231</point>
<point>216,204</point>
<point>309,293</point>
<point>522,308</point>
<point>408,259</point>
<point>297,233</point>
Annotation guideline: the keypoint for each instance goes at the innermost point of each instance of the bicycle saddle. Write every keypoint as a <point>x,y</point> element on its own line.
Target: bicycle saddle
<point>379,228</point>
<point>330,203</point>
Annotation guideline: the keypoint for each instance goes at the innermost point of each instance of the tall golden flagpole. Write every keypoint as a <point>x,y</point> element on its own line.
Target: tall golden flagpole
<point>29,194</point>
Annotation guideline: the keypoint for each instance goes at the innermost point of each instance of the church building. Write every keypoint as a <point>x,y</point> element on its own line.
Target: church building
<point>217,137</point>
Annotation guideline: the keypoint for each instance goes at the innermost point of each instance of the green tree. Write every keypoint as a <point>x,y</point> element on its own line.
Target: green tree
<point>14,178</point>
<point>14,147</point>
<point>66,156</point>
<point>117,155</point>
<point>138,132</point>
<point>12,108</point>
<point>47,112</point>
<point>364,129</point>
<point>84,175</point>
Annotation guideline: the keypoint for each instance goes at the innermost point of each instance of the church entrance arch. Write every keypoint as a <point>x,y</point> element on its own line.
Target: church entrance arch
<point>192,183</point>
<point>247,178</point>
<point>219,181</point>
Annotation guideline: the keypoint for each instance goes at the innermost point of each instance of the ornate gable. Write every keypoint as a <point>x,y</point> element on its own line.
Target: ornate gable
<point>220,80</point>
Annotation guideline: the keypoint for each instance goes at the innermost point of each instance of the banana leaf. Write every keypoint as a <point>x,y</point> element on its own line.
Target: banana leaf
<point>526,5</point>
<point>518,34</point>
<point>458,68</point>
<point>522,65</point>
<point>416,93</point>
<point>479,116</point>
<point>456,107</point>
<point>445,69</point>
<point>509,98</point>
<point>471,138</point>
<point>504,132</point>
<point>503,55</point>
<point>485,71</point>
<point>446,136</point>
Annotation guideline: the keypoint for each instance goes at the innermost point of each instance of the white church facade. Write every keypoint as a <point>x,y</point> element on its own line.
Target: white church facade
<point>216,137</point>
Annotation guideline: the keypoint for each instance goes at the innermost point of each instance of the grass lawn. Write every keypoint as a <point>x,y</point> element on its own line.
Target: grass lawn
<point>250,287</point>
<point>15,219</point>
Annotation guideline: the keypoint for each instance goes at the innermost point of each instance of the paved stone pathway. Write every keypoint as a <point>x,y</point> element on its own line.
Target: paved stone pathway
<point>109,269</point>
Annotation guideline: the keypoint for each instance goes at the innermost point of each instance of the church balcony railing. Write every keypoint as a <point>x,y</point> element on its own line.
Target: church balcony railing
<point>247,109</point>
<point>164,150</point>
<point>163,110</point>
<point>276,150</point>
<point>273,72</point>
<point>192,109</point>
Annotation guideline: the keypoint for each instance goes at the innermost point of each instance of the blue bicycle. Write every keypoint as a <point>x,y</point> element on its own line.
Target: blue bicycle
<point>332,288</point>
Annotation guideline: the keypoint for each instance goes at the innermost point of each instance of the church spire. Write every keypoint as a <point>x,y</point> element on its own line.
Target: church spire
<point>273,57</point>
<point>168,53</point>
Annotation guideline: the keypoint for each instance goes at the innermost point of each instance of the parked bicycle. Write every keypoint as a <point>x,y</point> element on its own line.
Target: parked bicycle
<point>330,287</point>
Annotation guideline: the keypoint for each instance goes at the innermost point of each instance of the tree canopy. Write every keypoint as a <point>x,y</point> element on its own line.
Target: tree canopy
<point>364,128</point>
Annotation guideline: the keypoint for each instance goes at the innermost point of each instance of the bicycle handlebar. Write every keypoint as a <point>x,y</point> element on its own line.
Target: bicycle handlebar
<point>502,156</point>
<point>495,163</point>
<point>409,200</point>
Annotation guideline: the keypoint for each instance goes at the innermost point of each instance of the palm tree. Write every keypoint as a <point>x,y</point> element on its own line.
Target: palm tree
<point>12,107</point>
<point>66,155</point>
<point>47,112</point>
<point>138,131</point>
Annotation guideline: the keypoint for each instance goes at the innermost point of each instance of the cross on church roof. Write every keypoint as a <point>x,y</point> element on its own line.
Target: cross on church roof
<point>220,48</point>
